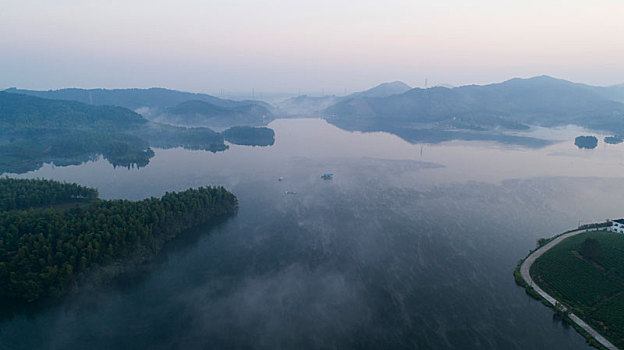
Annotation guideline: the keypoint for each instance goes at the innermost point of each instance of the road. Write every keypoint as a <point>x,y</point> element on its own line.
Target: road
<point>526,267</point>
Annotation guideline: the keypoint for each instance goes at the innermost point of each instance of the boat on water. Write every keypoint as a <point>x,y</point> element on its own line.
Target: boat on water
<point>327,176</point>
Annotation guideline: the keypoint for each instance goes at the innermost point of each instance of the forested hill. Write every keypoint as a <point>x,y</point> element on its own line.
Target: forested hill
<point>34,131</point>
<point>47,251</point>
<point>131,98</point>
<point>22,111</point>
<point>513,104</point>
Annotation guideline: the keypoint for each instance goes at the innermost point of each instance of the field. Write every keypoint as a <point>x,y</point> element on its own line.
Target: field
<point>593,288</point>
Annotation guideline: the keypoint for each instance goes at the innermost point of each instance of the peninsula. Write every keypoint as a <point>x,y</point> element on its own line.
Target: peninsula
<point>580,274</point>
<point>53,235</point>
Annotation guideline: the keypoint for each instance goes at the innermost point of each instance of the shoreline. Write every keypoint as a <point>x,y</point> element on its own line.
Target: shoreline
<point>522,272</point>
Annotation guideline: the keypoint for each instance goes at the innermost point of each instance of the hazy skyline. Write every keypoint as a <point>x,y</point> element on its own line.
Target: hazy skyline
<point>305,46</point>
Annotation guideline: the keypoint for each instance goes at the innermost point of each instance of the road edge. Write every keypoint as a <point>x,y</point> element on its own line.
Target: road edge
<point>523,278</point>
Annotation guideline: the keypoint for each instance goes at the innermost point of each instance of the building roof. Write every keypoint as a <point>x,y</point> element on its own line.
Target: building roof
<point>619,221</point>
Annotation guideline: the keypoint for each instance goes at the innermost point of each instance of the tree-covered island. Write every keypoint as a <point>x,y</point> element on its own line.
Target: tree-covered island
<point>54,234</point>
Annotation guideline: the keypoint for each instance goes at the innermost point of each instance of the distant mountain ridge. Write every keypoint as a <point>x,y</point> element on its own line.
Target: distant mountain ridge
<point>168,106</point>
<point>17,110</point>
<point>309,105</point>
<point>384,90</point>
<point>132,98</point>
<point>35,130</point>
<point>513,104</point>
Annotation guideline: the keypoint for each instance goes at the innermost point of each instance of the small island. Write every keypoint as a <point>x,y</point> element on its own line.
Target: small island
<point>53,235</point>
<point>250,136</point>
<point>586,142</point>
<point>614,140</point>
<point>580,273</point>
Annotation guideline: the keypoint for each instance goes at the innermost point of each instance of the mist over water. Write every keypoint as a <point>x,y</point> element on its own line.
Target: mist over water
<point>409,246</point>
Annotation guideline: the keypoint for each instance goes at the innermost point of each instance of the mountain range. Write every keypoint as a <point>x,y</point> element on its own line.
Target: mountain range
<point>168,106</point>
<point>305,105</point>
<point>514,104</point>
<point>131,98</point>
<point>36,130</point>
<point>491,112</point>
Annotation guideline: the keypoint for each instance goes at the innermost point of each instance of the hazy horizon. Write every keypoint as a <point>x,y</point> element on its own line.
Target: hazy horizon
<point>307,46</point>
<point>259,94</point>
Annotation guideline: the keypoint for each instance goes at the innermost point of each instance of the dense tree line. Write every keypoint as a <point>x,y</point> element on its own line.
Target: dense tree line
<point>250,136</point>
<point>43,252</point>
<point>24,193</point>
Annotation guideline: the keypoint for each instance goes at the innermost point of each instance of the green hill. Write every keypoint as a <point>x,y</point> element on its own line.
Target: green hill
<point>34,131</point>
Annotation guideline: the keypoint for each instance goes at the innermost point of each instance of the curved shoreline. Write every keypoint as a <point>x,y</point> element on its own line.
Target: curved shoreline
<point>525,268</point>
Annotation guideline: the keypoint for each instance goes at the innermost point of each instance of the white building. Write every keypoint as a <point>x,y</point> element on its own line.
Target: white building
<point>617,226</point>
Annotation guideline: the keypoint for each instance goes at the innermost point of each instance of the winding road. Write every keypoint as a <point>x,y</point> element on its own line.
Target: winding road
<point>526,267</point>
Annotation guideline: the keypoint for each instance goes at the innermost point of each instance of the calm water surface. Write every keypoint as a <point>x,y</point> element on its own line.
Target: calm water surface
<point>408,247</point>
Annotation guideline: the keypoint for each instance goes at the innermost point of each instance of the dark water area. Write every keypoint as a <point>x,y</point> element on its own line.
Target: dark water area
<point>409,246</point>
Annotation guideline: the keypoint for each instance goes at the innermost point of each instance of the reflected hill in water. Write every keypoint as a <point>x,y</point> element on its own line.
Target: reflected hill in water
<point>437,135</point>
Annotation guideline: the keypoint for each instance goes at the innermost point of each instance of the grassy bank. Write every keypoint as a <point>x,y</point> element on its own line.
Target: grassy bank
<point>589,285</point>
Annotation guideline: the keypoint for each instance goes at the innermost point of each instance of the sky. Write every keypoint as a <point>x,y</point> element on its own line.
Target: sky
<point>305,46</point>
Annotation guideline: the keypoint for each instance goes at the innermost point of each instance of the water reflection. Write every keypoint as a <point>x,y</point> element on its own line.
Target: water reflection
<point>437,134</point>
<point>29,152</point>
<point>409,246</point>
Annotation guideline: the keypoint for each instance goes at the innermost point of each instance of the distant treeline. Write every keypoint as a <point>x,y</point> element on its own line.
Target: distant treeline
<point>43,252</point>
<point>25,194</point>
<point>595,225</point>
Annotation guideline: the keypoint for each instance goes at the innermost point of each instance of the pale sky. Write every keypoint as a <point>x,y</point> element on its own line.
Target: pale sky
<point>305,45</point>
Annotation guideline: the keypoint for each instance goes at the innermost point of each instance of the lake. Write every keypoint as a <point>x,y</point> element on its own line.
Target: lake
<point>409,246</point>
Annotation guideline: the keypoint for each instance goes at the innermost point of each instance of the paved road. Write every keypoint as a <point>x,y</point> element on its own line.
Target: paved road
<point>526,267</point>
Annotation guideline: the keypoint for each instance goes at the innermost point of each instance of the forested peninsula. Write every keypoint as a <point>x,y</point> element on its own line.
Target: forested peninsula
<point>53,234</point>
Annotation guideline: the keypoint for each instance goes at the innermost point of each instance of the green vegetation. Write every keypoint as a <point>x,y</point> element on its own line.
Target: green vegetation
<point>586,272</point>
<point>587,142</point>
<point>24,194</point>
<point>250,136</point>
<point>168,136</point>
<point>45,250</point>
<point>34,131</point>
<point>590,249</point>
<point>614,140</point>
